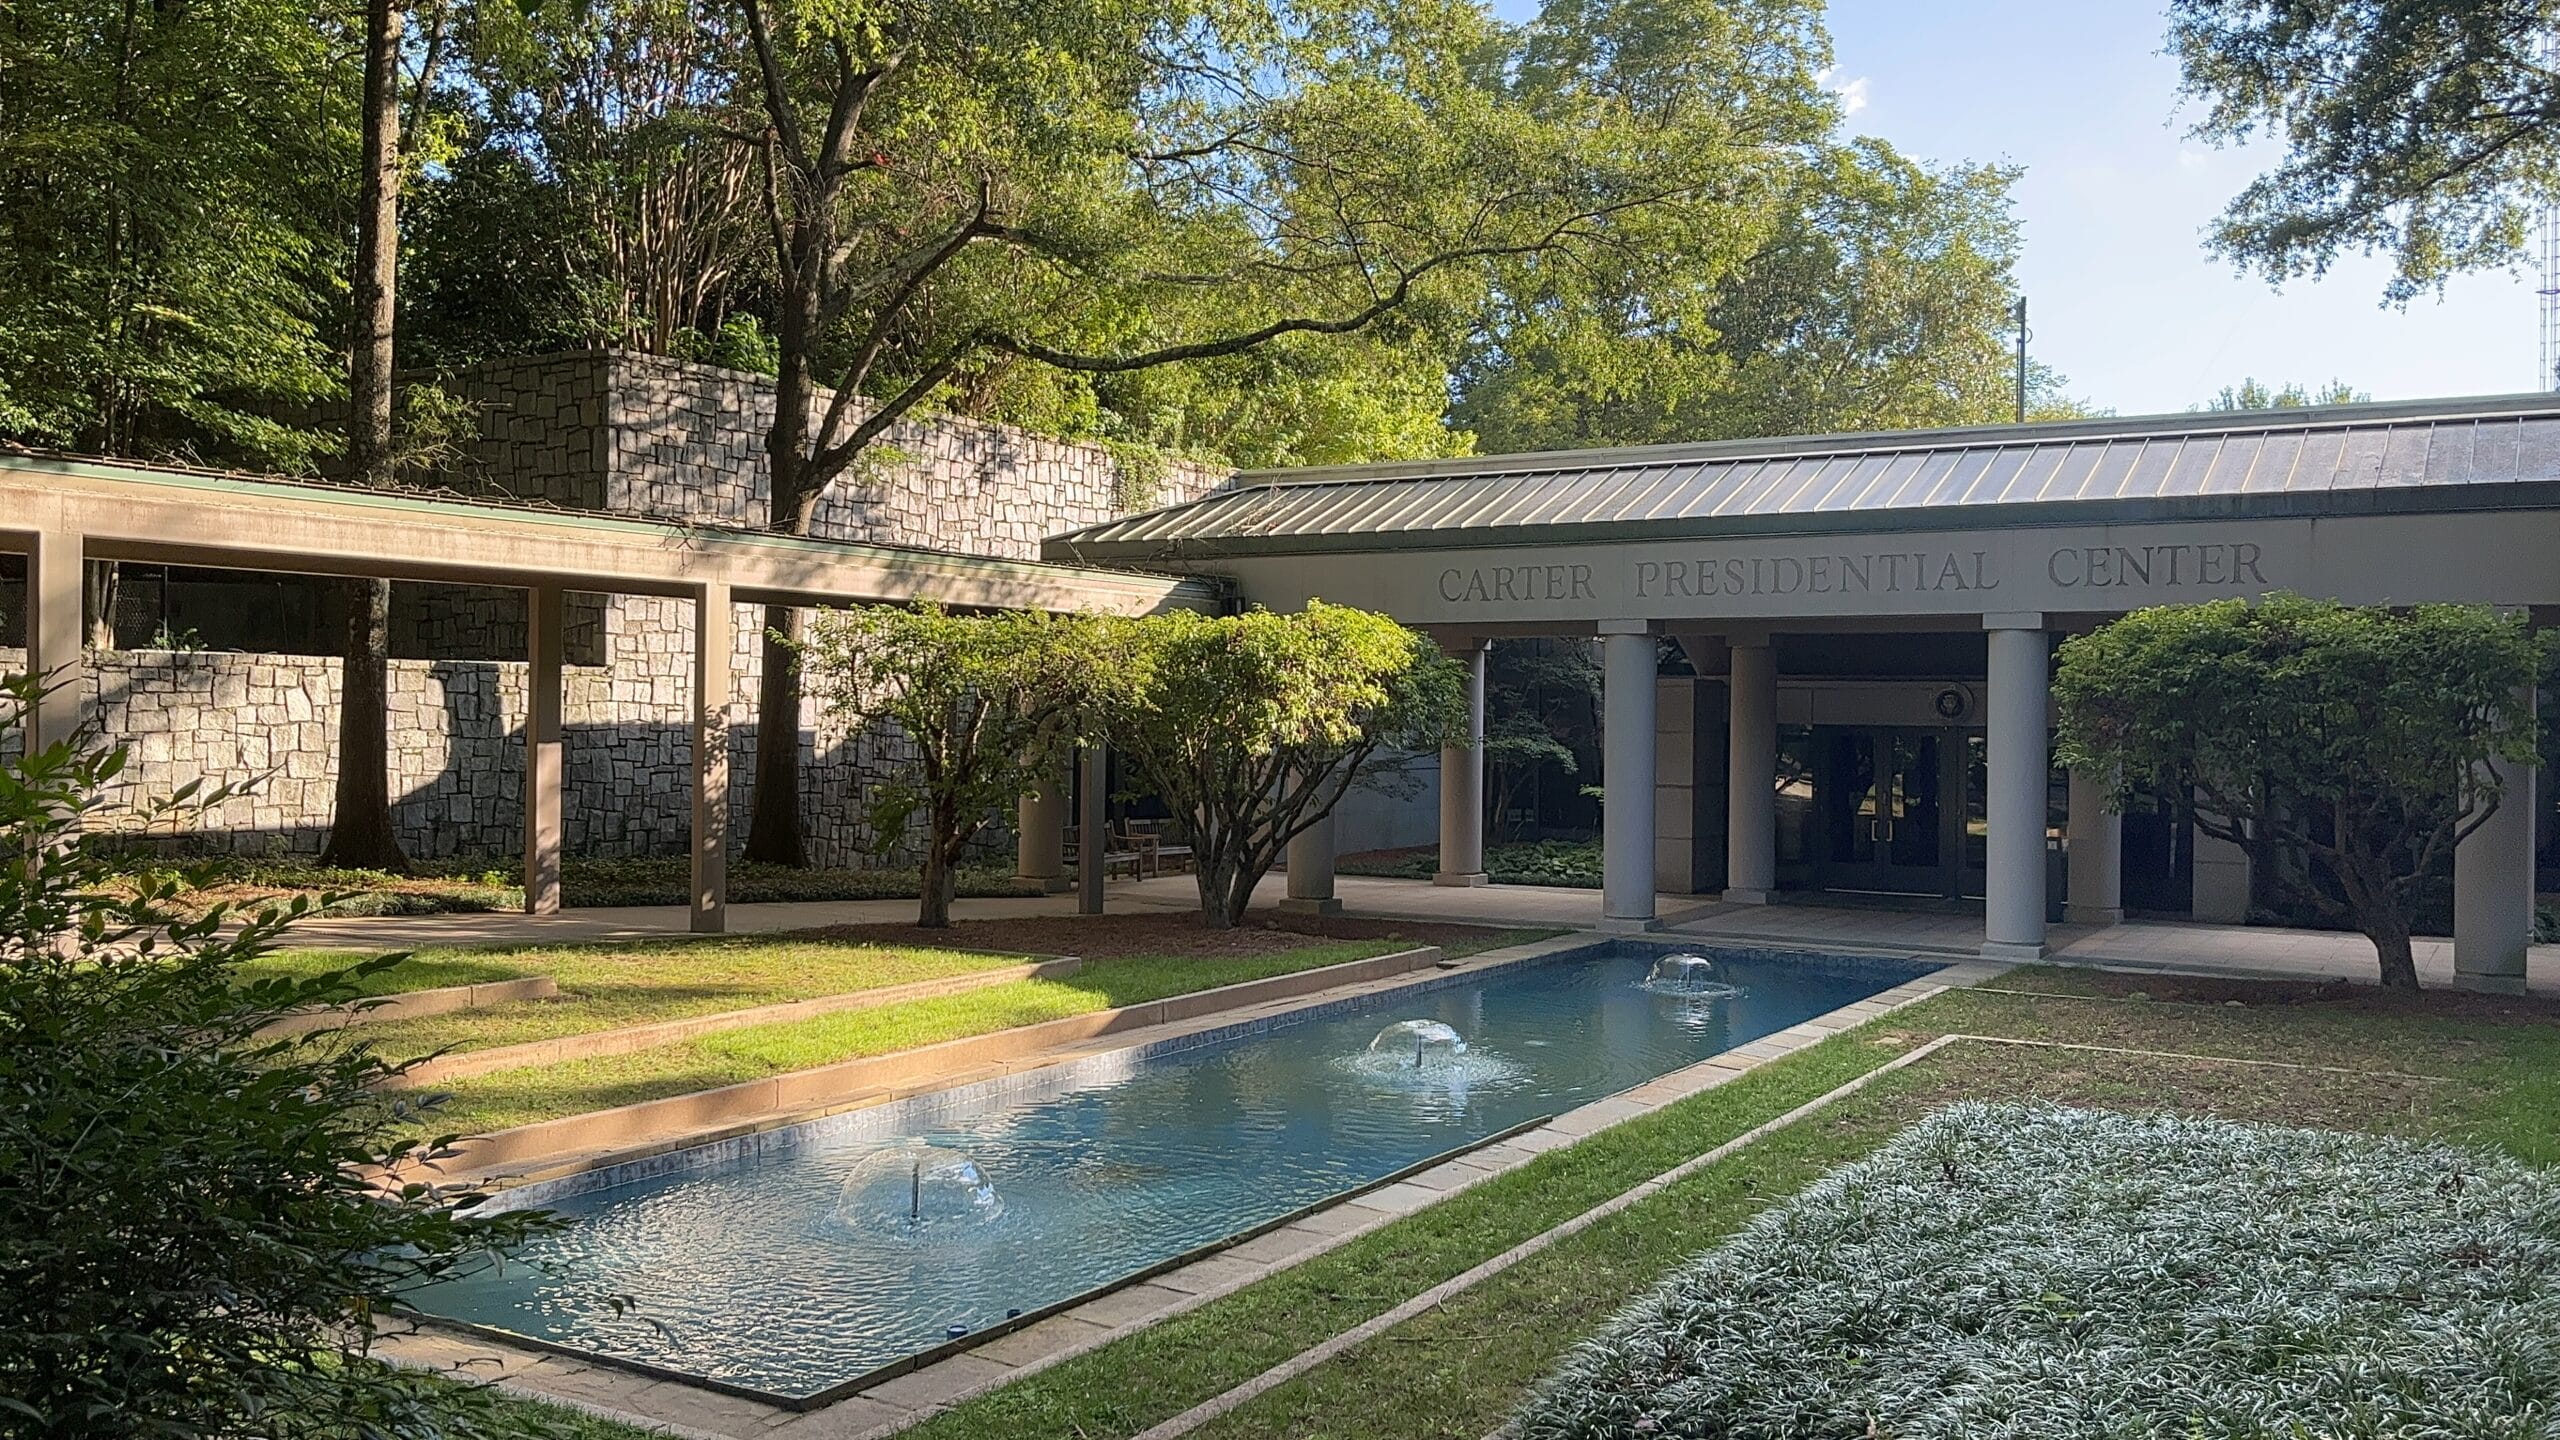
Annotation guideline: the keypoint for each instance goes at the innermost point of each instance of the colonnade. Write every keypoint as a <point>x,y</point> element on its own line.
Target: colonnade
<point>2493,868</point>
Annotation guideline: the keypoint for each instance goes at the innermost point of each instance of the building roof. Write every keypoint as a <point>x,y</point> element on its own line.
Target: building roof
<point>2494,452</point>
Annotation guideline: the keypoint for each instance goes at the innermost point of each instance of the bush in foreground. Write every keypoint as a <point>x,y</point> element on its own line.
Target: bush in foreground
<point>2034,1272</point>
<point>188,1243</point>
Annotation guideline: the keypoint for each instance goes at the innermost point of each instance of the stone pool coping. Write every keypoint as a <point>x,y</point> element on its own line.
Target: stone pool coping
<point>683,1408</point>
<point>463,1064</point>
<point>573,1144</point>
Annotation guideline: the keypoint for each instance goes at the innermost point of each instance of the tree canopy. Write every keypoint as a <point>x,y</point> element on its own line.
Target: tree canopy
<point>992,705</point>
<point>173,179</point>
<point>2255,394</point>
<point>1253,727</point>
<point>2424,130</point>
<point>2357,735</point>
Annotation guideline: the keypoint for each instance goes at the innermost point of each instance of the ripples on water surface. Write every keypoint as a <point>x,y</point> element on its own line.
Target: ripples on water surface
<point>807,1265</point>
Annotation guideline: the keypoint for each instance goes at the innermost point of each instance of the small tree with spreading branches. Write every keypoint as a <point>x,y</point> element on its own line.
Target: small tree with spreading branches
<point>191,1242</point>
<point>2360,736</point>
<point>992,704</point>
<point>1253,727</point>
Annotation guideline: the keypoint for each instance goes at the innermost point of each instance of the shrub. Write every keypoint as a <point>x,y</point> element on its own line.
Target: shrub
<point>189,1243</point>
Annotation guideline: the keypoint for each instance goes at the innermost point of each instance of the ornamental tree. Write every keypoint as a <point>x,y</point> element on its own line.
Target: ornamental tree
<point>992,704</point>
<point>189,1240</point>
<point>2359,736</point>
<point>1253,727</point>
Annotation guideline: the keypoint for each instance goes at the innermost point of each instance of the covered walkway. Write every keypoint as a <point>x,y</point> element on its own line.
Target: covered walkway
<point>63,513</point>
<point>2232,950</point>
<point>1826,660</point>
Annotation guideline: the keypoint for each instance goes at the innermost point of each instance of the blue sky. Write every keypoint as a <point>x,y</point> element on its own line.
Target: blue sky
<point>2123,298</point>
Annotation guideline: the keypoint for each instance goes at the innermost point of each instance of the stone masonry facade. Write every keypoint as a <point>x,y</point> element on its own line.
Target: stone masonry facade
<point>628,434</point>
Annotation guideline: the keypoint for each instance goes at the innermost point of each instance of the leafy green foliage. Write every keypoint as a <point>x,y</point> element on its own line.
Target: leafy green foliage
<point>2014,1271</point>
<point>1567,864</point>
<point>990,703</point>
<point>1862,291</point>
<point>189,1243</point>
<point>2357,734</point>
<point>1542,700</point>
<point>2254,394</point>
<point>2426,130</point>
<point>171,179</point>
<point>1253,727</point>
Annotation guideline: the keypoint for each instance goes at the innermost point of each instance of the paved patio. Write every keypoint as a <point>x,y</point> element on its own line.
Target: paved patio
<point>2259,951</point>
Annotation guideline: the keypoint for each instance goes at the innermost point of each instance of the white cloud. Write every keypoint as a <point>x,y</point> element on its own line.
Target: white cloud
<point>1852,93</point>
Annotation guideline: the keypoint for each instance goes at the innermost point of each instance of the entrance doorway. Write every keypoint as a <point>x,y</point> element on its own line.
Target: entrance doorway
<point>1882,810</point>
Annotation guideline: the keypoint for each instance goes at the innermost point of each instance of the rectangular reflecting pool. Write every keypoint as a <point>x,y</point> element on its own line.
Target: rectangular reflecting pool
<point>791,1262</point>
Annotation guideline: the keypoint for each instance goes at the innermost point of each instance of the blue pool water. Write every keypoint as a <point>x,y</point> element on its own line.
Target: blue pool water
<point>800,1259</point>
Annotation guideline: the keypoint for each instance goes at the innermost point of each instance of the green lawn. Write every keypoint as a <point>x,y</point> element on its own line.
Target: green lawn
<point>611,985</point>
<point>1459,1371</point>
<point>523,1096</point>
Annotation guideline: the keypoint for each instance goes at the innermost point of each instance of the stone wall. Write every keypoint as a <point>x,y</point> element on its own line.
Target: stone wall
<point>629,434</point>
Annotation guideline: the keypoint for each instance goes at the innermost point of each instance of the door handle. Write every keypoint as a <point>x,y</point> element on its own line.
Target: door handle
<point>1880,829</point>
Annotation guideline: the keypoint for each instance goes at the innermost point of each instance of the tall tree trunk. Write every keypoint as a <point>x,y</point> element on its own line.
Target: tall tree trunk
<point>360,833</point>
<point>940,886</point>
<point>362,836</point>
<point>773,825</point>
<point>98,578</point>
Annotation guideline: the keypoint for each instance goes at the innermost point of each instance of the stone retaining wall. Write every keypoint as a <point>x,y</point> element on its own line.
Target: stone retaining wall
<point>630,434</point>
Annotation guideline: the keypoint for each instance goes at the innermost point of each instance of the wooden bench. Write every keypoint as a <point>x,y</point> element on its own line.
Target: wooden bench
<point>1147,839</point>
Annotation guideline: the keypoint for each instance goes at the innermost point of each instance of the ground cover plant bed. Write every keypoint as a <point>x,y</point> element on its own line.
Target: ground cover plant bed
<point>2023,1271</point>
<point>1565,864</point>
<point>443,887</point>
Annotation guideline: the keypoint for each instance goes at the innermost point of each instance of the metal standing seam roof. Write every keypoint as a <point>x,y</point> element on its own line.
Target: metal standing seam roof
<point>2443,454</point>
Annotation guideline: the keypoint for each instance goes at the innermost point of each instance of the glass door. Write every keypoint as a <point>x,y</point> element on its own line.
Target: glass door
<point>1886,820</point>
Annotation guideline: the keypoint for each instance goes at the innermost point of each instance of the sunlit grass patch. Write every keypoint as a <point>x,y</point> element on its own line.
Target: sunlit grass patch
<point>2034,1271</point>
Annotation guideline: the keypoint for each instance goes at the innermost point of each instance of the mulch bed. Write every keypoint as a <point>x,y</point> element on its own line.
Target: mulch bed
<point>1100,937</point>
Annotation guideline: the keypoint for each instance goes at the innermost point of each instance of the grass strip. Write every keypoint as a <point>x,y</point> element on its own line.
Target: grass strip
<point>611,985</point>
<point>508,1098</point>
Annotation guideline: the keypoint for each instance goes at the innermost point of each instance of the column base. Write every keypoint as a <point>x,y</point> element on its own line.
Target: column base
<point>709,922</point>
<point>1745,897</point>
<point>1299,905</point>
<point>1615,925</point>
<point>2092,915</point>
<point>2490,984</point>
<point>1051,884</point>
<point>2020,950</point>
<point>1462,879</point>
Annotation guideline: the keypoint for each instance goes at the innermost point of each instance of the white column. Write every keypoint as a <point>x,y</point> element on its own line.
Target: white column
<point>1462,782</point>
<point>1040,835</point>
<point>53,636</point>
<point>2096,892</point>
<point>1311,871</point>
<point>2493,881</point>
<point>545,631</point>
<point>1751,773</point>
<point>1626,775</point>
<point>1093,818</point>
<point>2014,799</point>
<point>714,641</point>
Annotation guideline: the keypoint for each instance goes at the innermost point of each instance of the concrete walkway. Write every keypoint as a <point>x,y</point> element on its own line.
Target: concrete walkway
<point>2258,951</point>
